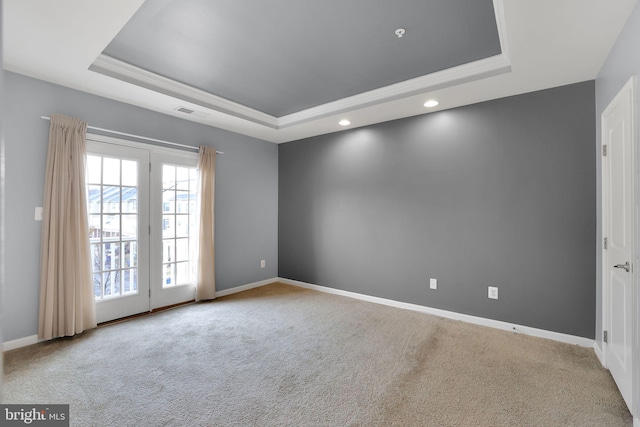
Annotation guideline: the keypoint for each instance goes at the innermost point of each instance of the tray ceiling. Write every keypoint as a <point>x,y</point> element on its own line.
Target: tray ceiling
<point>285,69</point>
<point>284,56</point>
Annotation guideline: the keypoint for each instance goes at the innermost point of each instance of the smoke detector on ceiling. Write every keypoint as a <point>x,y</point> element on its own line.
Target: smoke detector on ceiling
<point>192,113</point>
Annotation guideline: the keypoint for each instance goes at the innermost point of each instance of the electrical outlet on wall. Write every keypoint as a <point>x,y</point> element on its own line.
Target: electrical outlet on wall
<point>433,283</point>
<point>493,292</point>
<point>262,263</point>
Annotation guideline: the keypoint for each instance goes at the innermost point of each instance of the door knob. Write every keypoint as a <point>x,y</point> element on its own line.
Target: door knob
<point>626,266</point>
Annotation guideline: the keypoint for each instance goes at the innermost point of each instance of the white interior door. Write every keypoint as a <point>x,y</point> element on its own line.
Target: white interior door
<point>618,136</point>
<point>118,188</point>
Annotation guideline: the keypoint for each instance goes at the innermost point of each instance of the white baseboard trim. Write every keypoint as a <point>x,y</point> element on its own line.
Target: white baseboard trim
<point>20,342</point>
<point>497,324</point>
<point>246,287</point>
<point>599,353</point>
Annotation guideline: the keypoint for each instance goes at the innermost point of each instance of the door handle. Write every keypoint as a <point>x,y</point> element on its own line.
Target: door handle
<point>626,266</point>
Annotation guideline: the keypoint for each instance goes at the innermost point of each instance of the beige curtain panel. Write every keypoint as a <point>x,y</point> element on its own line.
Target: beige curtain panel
<point>206,285</point>
<point>67,305</point>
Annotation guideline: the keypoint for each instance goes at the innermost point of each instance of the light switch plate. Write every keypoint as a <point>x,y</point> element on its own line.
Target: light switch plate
<point>433,283</point>
<point>38,215</point>
<point>493,292</point>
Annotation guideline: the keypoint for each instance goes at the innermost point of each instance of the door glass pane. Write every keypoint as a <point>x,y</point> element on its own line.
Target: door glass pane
<point>168,201</point>
<point>97,285</point>
<point>179,224</point>
<point>130,254</point>
<point>95,258</point>
<point>106,284</point>
<point>129,226</point>
<point>110,226</point>
<point>193,180</point>
<point>168,226</point>
<point>111,199</point>
<point>182,201</point>
<point>130,173</point>
<point>182,250</point>
<point>94,168</point>
<point>168,275</point>
<point>95,226</point>
<point>182,225</point>
<point>181,272</point>
<point>113,281</point>
<point>168,250</point>
<point>111,175</point>
<point>168,177</point>
<point>182,178</point>
<point>130,280</point>
<point>129,199</point>
<point>110,256</point>
<point>93,198</point>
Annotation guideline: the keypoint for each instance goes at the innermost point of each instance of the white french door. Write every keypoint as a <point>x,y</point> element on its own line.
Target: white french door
<point>143,226</point>
<point>174,228</point>
<point>118,188</point>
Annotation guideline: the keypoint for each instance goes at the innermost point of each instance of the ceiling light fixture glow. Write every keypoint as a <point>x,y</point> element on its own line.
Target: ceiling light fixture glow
<point>344,122</point>
<point>431,103</point>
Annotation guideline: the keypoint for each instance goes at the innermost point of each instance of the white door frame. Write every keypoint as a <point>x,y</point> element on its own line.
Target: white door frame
<point>631,84</point>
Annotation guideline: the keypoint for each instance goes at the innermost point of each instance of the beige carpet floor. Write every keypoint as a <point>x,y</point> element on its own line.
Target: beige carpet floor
<point>285,356</point>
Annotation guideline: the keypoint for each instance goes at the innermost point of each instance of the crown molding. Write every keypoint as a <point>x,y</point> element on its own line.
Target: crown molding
<point>126,72</point>
<point>476,70</point>
<point>129,73</point>
<point>501,22</point>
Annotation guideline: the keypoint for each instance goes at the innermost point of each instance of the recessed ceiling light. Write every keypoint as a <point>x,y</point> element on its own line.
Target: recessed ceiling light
<point>431,103</point>
<point>344,122</point>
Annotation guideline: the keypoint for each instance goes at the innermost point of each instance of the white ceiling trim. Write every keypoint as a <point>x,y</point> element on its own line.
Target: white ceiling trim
<point>129,73</point>
<point>501,22</point>
<point>472,71</point>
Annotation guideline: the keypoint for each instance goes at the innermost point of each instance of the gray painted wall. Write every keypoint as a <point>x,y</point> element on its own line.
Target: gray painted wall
<point>499,193</point>
<point>246,188</point>
<point>622,63</point>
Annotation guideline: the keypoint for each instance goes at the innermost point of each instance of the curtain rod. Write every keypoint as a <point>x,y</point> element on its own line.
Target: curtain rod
<point>115,132</point>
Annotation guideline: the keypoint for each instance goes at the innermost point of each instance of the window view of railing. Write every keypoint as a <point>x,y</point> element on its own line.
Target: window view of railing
<point>179,225</point>
<point>113,225</point>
